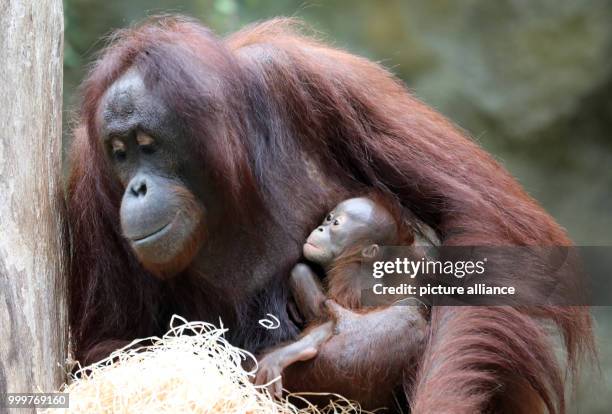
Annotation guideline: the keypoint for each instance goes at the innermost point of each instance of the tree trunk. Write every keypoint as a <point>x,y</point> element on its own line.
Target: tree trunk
<point>33,336</point>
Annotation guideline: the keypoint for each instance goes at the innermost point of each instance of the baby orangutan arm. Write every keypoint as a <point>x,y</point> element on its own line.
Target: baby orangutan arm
<point>307,292</point>
<point>368,355</point>
<point>271,366</point>
<point>309,299</point>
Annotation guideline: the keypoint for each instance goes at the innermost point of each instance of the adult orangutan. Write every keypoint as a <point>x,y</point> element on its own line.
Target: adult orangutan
<point>200,164</point>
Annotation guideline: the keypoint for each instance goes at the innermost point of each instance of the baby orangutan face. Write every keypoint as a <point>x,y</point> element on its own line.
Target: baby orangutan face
<point>352,223</point>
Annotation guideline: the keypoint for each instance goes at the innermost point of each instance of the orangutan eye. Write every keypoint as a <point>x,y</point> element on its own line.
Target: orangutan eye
<point>146,143</point>
<point>328,218</point>
<point>119,155</point>
<point>147,149</point>
<point>336,222</point>
<point>118,150</point>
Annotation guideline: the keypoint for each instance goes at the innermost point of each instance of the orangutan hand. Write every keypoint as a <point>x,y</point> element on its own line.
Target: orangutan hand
<point>366,357</point>
<point>385,336</point>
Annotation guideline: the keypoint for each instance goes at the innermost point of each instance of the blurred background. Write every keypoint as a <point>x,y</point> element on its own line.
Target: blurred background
<point>530,80</point>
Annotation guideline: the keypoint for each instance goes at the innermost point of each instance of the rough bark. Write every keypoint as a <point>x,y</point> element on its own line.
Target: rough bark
<point>33,336</point>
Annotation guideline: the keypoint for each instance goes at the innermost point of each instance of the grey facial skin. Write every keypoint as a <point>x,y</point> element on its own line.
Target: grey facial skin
<point>160,216</point>
<point>351,222</point>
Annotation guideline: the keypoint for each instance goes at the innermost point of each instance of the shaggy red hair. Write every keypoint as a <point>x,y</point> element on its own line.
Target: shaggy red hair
<point>255,103</point>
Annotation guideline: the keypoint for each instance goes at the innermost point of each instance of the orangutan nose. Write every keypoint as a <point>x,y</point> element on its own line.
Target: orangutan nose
<point>138,187</point>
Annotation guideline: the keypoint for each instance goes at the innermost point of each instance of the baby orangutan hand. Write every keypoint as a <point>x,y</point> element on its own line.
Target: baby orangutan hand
<point>273,363</point>
<point>271,366</point>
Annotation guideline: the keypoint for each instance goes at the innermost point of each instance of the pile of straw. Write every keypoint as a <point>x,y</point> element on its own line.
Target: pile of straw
<point>191,369</point>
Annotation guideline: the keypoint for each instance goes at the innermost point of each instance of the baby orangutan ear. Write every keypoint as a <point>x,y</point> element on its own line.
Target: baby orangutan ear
<point>370,252</point>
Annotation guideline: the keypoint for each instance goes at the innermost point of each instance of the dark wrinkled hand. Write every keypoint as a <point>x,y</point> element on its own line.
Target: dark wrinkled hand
<point>382,337</point>
<point>367,357</point>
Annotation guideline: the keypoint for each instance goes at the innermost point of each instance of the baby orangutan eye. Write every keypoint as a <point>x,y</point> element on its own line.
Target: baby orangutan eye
<point>336,222</point>
<point>329,217</point>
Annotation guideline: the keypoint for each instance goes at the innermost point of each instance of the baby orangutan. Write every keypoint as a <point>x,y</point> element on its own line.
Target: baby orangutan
<point>349,236</point>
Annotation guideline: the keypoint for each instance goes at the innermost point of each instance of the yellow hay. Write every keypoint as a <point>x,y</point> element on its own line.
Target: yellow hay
<point>191,369</point>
